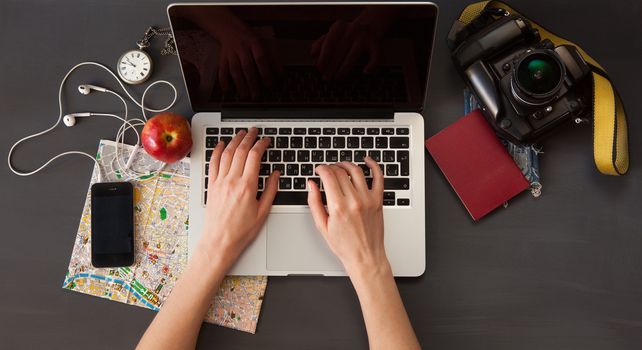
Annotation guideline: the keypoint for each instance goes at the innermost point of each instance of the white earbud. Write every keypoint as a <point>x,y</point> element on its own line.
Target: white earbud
<point>70,119</point>
<point>85,89</point>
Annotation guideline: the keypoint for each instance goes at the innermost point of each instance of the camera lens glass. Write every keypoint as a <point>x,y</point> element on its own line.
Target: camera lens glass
<point>539,74</point>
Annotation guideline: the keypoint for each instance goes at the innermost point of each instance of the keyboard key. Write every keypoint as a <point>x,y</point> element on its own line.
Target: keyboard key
<point>205,198</point>
<point>367,142</point>
<point>279,167</point>
<point>338,142</point>
<point>307,169</point>
<point>388,195</point>
<point>387,131</point>
<point>329,131</point>
<point>260,183</point>
<point>358,131</point>
<point>239,130</point>
<point>271,145</point>
<point>381,142</point>
<point>325,142</point>
<point>404,160</point>
<point>317,156</point>
<point>299,131</point>
<point>264,169</point>
<point>344,131</point>
<point>359,156</point>
<point>403,131</point>
<point>264,157</point>
<point>399,142</point>
<point>282,142</point>
<point>331,156</point>
<point>316,180</point>
<point>208,155</point>
<point>285,183</point>
<point>345,156</point>
<point>292,169</point>
<point>294,198</point>
<point>270,131</point>
<point>369,182</point>
<point>211,141</point>
<point>227,131</point>
<point>376,155</point>
<point>296,142</point>
<point>289,156</point>
<point>396,183</point>
<point>388,202</point>
<point>299,183</point>
<point>207,168</point>
<point>259,131</point>
<point>274,155</point>
<point>353,142</point>
<point>372,131</point>
<point>302,156</point>
<point>392,170</point>
<point>285,131</point>
<point>226,139</point>
<point>365,169</point>
<point>310,142</point>
<point>389,156</point>
<point>314,131</point>
<point>403,201</point>
<point>211,131</point>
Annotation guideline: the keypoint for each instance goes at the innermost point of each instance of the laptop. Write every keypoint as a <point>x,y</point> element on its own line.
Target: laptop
<point>328,82</point>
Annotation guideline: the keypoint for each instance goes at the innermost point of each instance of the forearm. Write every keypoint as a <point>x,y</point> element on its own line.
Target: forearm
<point>178,322</point>
<point>386,320</point>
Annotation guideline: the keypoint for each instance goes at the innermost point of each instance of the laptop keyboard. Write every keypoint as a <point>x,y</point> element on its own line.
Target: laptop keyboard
<point>297,151</point>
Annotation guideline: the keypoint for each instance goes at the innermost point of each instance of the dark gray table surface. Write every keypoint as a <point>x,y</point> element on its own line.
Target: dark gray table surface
<point>560,272</point>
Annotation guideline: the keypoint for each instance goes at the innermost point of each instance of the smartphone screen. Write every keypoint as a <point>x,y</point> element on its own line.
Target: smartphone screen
<point>112,224</point>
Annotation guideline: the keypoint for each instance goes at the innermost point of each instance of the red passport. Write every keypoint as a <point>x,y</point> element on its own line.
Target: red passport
<point>476,164</point>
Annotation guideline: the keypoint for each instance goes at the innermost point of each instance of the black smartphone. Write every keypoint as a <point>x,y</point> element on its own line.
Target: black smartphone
<point>112,224</point>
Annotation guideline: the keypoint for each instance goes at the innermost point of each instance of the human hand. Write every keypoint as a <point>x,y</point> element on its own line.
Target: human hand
<point>249,62</point>
<point>233,215</point>
<point>345,44</point>
<point>352,225</point>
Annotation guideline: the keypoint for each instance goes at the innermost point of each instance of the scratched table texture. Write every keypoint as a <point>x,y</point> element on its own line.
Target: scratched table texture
<point>560,272</point>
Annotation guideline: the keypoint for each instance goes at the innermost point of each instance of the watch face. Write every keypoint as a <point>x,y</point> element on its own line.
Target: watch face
<point>134,66</point>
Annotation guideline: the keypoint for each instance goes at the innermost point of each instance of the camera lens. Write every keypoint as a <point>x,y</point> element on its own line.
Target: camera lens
<point>539,74</point>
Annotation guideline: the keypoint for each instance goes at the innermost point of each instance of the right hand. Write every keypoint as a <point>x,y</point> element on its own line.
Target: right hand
<point>352,225</point>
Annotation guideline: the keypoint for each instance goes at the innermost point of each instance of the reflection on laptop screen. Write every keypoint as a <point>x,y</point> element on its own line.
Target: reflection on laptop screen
<point>304,56</point>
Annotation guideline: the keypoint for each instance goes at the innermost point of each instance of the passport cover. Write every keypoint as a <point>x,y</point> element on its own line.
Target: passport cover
<point>476,164</point>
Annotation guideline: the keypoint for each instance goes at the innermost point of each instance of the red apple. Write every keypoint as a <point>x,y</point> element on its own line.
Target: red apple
<point>167,137</point>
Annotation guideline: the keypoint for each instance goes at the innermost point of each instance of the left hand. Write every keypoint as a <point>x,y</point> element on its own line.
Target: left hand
<point>233,214</point>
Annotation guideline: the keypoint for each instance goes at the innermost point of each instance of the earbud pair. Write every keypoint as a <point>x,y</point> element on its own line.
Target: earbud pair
<point>70,119</point>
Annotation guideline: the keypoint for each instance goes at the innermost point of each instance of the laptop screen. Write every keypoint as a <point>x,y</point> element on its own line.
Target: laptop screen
<point>305,56</point>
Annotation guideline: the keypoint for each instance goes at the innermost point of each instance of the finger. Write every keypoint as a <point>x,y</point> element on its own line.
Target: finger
<point>240,155</point>
<point>332,188</point>
<point>377,174</point>
<point>317,210</point>
<point>330,45</point>
<point>356,176</point>
<point>315,48</point>
<point>224,74</point>
<point>214,162</point>
<point>253,163</point>
<point>344,181</point>
<point>239,78</point>
<point>263,63</point>
<point>375,56</point>
<point>267,197</point>
<point>249,71</point>
<point>228,153</point>
<point>354,54</point>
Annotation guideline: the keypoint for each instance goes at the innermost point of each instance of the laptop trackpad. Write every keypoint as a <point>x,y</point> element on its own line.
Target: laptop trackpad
<point>293,244</point>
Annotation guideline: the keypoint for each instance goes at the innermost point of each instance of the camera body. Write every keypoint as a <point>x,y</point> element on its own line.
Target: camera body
<point>526,86</point>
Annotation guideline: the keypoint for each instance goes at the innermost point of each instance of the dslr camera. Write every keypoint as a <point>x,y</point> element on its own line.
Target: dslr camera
<point>526,86</point>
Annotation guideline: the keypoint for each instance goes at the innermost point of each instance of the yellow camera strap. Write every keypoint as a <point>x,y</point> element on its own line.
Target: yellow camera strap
<point>610,134</point>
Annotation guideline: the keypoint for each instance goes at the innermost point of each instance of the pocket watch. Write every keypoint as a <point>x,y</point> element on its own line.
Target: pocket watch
<point>135,66</point>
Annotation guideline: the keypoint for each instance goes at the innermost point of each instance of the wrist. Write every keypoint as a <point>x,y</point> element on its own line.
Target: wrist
<point>214,256</point>
<point>363,274</point>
